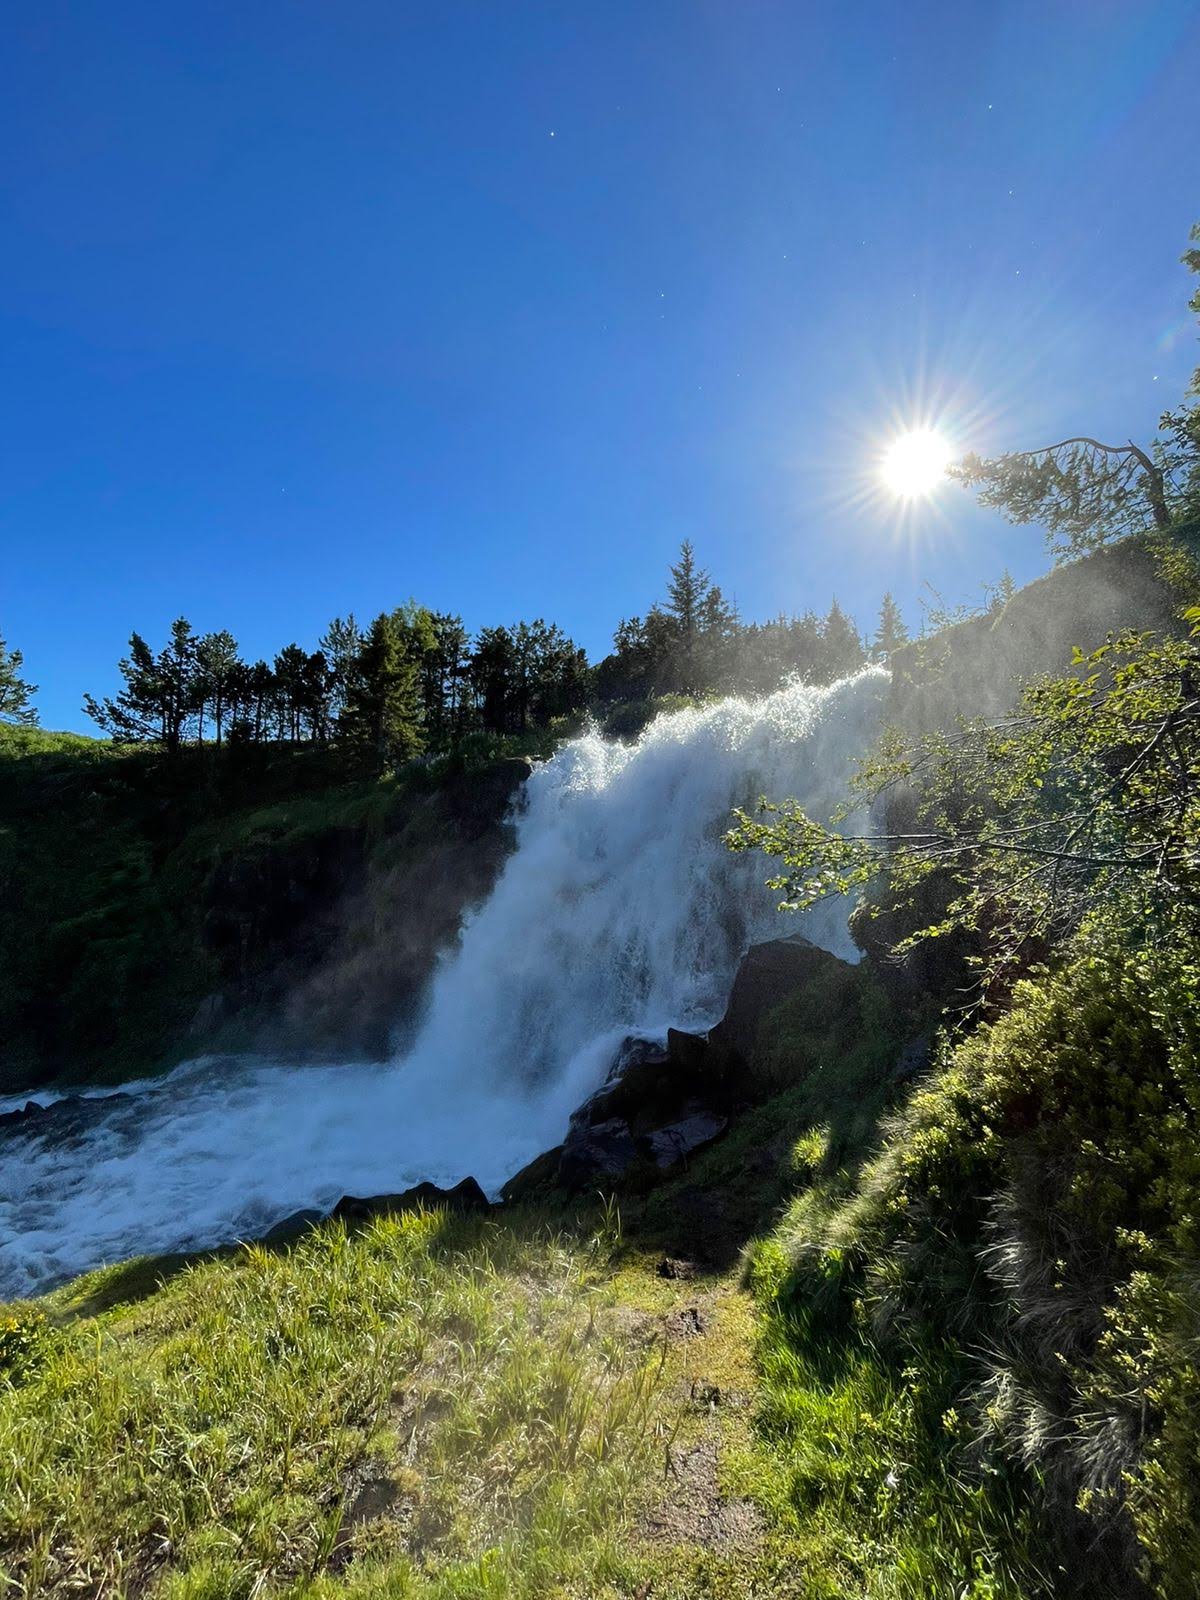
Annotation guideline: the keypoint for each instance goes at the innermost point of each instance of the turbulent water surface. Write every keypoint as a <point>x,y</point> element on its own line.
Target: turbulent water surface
<point>619,911</point>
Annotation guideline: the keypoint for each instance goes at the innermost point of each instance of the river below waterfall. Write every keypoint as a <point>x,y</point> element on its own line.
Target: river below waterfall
<point>620,911</point>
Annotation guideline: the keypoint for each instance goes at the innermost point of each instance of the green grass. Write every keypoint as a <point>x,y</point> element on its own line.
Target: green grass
<point>429,1407</point>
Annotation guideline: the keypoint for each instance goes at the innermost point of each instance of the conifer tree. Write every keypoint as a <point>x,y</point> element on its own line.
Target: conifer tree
<point>891,632</point>
<point>217,663</point>
<point>159,694</point>
<point>339,644</point>
<point>686,589</point>
<point>16,696</point>
<point>444,674</point>
<point>841,648</point>
<point>493,673</point>
<point>382,715</point>
<point>703,623</point>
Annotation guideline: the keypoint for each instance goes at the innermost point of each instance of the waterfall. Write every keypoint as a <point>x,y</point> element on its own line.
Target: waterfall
<point>619,911</point>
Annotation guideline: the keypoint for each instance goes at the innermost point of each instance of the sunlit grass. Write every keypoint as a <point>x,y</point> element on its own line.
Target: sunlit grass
<point>432,1401</point>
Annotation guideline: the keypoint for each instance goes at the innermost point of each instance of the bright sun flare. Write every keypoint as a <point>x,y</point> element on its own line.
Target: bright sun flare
<point>915,463</point>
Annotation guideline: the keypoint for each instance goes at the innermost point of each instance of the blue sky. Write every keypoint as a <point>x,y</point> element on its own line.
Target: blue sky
<point>309,308</point>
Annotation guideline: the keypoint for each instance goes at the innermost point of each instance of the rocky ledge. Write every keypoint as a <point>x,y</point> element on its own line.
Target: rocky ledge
<point>662,1102</point>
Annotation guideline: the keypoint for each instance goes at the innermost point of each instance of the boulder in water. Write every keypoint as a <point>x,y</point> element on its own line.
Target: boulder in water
<point>23,1114</point>
<point>65,1120</point>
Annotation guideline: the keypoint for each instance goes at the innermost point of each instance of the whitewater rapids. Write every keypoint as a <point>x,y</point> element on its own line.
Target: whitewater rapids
<point>619,911</point>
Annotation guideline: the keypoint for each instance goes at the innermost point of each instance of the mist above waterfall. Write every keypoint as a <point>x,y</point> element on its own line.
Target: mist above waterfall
<point>619,911</point>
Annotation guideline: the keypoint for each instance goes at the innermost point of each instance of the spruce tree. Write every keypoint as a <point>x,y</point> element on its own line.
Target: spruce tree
<point>686,589</point>
<point>382,715</point>
<point>891,632</point>
<point>16,695</point>
<point>841,648</point>
<point>444,671</point>
<point>703,625</point>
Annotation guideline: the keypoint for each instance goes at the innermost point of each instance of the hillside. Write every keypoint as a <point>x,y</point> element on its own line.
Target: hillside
<point>155,908</point>
<point>853,1294</point>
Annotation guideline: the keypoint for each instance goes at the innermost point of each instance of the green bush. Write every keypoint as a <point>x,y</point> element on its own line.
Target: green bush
<point>1028,1231</point>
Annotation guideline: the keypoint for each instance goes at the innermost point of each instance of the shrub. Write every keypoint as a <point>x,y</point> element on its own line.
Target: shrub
<point>1028,1231</point>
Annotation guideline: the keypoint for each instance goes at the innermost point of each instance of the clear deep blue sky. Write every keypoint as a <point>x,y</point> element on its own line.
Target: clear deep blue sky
<point>310,307</point>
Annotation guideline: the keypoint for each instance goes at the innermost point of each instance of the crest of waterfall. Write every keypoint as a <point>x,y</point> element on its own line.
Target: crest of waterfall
<point>619,911</point>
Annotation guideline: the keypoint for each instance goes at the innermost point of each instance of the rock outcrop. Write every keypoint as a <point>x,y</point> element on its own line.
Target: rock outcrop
<point>464,1196</point>
<point>658,1105</point>
<point>662,1103</point>
<point>768,975</point>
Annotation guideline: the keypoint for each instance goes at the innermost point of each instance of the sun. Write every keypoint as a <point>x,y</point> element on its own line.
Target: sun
<point>915,463</point>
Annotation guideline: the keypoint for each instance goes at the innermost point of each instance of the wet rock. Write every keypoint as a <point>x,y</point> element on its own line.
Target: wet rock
<point>63,1120</point>
<point>604,1150</point>
<point>22,1115</point>
<point>634,1052</point>
<point>534,1179</point>
<point>668,1145</point>
<point>464,1196</point>
<point>689,1052</point>
<point>657,1105</point>
<point>643,1088</point>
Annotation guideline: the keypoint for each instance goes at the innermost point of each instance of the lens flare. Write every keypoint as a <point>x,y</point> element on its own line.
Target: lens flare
<point>915,463</point>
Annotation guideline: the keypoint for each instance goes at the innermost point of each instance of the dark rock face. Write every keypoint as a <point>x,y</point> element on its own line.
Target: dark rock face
<point>464,1196</point>
<point>769,973</point>
<point>591,1154</point>
<point>324,945</point>
<point>22,1115</point>
<point>656,1107</point>
<point>536,1178</point>
<point>678,1139</point>
<point>660,1105</point>
<point>293,1227</point>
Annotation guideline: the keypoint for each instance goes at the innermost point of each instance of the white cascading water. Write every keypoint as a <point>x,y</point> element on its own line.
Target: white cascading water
<point>620,911</point>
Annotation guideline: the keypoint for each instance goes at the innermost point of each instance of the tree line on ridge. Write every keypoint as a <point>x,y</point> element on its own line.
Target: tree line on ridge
<point>415,679</point>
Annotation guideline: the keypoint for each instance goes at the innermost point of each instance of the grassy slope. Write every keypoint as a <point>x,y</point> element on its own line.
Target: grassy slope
<point>521,1405</point>
<point>428,1408</point>
<point>445,1407</point>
